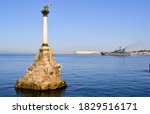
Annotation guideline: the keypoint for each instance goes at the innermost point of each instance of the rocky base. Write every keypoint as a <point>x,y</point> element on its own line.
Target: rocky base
<point>43,74</point>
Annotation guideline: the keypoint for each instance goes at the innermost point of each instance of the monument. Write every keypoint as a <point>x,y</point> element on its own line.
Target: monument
<point>44,73</point>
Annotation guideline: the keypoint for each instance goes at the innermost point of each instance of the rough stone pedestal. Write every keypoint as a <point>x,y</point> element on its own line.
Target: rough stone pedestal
<point>43,74</point>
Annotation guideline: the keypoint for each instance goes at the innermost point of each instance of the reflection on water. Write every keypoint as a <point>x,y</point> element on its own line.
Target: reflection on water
<point>33,93</point>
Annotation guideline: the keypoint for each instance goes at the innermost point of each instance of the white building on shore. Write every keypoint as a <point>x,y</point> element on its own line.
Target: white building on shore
<point>87,52</point>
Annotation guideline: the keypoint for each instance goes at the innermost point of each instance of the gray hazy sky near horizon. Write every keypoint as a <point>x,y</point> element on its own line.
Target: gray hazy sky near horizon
<point>101,25</point>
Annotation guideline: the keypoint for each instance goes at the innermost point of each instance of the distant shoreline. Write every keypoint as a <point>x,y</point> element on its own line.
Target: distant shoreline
<point>139,52</point>
<point>97,52</point>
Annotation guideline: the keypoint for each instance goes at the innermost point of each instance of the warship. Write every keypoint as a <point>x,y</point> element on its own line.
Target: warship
<point>119,52</point>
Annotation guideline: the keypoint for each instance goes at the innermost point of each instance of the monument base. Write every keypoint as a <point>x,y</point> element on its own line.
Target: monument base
<point>43,74</point>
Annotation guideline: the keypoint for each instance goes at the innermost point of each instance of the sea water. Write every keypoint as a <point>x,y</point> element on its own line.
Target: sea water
<point>85,75</point>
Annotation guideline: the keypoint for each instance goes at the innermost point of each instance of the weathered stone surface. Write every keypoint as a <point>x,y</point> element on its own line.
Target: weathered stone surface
<point>43,74</point>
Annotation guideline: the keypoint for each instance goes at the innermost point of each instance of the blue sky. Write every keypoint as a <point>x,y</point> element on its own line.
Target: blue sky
<point>101,25</point>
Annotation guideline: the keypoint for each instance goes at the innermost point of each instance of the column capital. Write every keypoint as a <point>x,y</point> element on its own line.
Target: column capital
<point>45,11</point>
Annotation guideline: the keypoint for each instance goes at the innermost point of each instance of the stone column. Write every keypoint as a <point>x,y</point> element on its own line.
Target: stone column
<point>45,13</point>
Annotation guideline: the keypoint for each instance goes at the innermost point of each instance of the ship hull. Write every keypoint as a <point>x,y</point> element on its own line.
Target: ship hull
<point>116,54</point>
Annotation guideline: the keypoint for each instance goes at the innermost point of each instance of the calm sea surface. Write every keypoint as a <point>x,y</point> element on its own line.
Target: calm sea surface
<point>86,75</point>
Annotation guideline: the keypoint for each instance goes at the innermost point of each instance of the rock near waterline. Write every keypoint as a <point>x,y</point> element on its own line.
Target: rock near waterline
<point>43,74</point>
